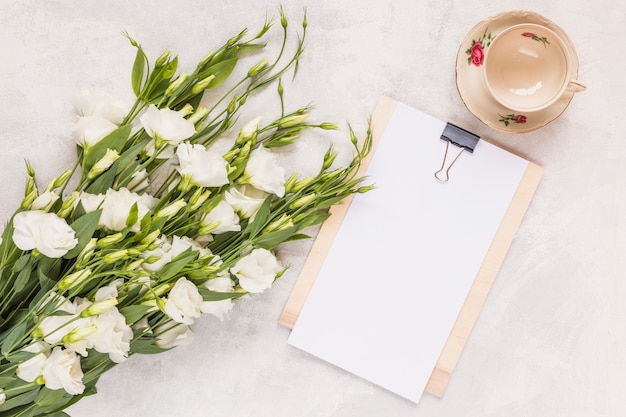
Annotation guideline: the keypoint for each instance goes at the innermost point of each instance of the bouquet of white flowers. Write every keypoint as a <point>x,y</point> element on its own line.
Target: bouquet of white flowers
<point>161,226</point>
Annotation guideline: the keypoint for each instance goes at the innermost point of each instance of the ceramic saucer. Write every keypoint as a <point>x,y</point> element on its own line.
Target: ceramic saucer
<point>471,83</point>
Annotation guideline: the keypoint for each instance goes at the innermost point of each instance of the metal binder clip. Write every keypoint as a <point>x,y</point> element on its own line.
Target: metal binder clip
<point>460,137</point>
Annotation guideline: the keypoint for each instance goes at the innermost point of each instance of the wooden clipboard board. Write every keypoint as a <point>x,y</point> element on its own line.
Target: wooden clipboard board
<point>482,283</point>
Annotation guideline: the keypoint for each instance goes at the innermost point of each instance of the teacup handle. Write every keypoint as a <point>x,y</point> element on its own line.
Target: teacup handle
<point>576,86</point>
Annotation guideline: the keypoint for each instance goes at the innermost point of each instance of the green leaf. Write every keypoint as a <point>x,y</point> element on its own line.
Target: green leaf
<point>208,295</point>
<point>260,219</point>
<point>6,380</point>
<point>48,397</point>
<point>299,236</point>
<point>221,71</point>
<point>171,269</point>
<point>84,227</point>
<point>20,357</point>
<point>22,399</point>
<point>21,262</point>
<point>133,215</point>
<point>22,279</point>
<point>114,140</point>
<point>134,313</point>
<point>272,239</point>
<point>12,338</point>
<point>102,183</point>
<point>145,345</point>
<point>138,71</point>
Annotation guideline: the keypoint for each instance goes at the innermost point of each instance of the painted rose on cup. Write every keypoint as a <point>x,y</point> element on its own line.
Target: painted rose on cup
<point>476,51</point>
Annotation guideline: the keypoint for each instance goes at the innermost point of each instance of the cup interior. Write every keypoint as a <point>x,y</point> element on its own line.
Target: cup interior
<point>526,67</point>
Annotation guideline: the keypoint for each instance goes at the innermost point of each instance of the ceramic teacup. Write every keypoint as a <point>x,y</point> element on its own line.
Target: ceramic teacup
<point>528,68</point>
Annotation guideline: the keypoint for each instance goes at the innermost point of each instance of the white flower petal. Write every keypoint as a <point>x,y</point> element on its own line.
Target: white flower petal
<point>169,125</point>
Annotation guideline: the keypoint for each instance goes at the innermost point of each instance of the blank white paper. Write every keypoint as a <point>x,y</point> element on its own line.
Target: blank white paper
<point>406,255</point>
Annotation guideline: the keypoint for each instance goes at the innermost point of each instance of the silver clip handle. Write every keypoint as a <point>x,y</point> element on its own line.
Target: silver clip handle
<point>443,165</point>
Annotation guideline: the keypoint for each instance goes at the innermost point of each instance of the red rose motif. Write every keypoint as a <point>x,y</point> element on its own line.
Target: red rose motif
<point>528,34</point>
<point>520,118</point>
<point>512,118</point>
<point>477,55</point>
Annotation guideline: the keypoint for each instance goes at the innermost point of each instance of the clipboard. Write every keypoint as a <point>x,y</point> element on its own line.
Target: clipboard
<point>477,294</point>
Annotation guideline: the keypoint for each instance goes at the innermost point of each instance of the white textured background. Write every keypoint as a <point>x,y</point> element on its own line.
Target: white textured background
<point>550,340</point>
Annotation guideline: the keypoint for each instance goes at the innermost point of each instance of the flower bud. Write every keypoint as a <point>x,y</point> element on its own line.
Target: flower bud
<point>174,85</point>
<point>206,59</point>
<point>255,70</point>
<point>303,201</point>
<point>30,170</point>
<point>280,88</point>
<point>60,181</point>
<point>68,205</point>
<point>293,120</point>
<point>110,240</point>
<point>134,265</point>
<point>99,307</point>
<point>115,256</point>
<point>250,128</point>
<point>291,182</point>
<point>283,19</point>
<point>103,164</point>
<point>329,126</point>
<point>28,200</point>
<point>329,158</point>
<point>163,288</point>
<point>45,201</point>
<point>198,198</point>
<point>74,279</point>
<point>152,259</point>
<point>365,188</point>
<point>88,249</point>
<point>150,238</point>
<point>161,60</point>
<point>78,335</point>
<point>186,110</point>
<point>283,222</point>
<point>202,84</point>
<point>353,138</point>
<point>199,115</point>
<point>171,210</point>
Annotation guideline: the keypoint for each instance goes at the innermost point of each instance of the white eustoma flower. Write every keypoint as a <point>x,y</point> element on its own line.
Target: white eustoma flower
<point>205,167</point>
<point>89,130</point>
<point>264,173</point>
<point>246,200</point>
<point>45,201</point>
<point>219,308</point>
<point>53,328</point>
<point>62,370</point>
<point>113,335</point>
<point>173,334</point>
<point>167,125</point>
<point>257,270</point>
<point>90,202</point>
<point>46,232</point>
<point>31,369</point>
<point>221,219</point>
<point>184,302</point>
<point>117,205</point>
<point>3,396</point>
<point>99,103</point>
